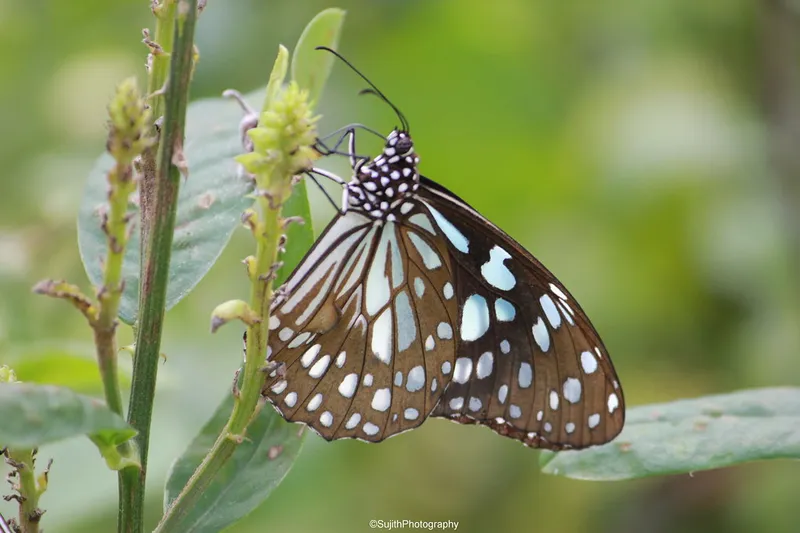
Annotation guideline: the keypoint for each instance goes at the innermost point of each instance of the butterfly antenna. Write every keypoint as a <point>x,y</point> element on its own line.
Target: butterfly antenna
<point>373,90</point>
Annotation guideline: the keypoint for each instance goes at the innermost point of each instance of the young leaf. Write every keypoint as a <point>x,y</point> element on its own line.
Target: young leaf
<point>257,466</point>
<point>209,209</point>
<point>32,415</point>
<point>690,435</point>
<point>310,67</point>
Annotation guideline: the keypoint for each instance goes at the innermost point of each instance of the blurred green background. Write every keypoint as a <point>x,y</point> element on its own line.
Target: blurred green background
<point>645,151</point>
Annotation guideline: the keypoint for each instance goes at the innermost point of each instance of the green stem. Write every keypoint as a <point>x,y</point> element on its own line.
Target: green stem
<point>29,512</point>
<point>157,247</point>
<point>164,38</point>
<point>246,404</point>
<point>121,186</point>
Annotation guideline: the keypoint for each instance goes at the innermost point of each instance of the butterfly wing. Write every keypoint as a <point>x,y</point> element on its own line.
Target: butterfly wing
<point>353,332</point>
<point>529,363</point>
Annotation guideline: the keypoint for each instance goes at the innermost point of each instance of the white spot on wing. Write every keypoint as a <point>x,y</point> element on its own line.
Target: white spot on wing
<point>550,311</point>
<point>444,330</point>
<point>416,379</point>
<point>451,232</point>
<point>410,414</point>
<point>475,404</point>
<point>423,222</point>
<point>279,387</point>
<point>348,385</point>
<point>504,310</point>
<point>525,376</point>
<point>588,362</point>
<point>502,392</point>
<point>310,355</point>
<point>495,272</point>
<point>485,364</point>
<point>430,344</point>
<point>406,325</point>
<point>371,429</point>
<point>320,367</point>
<point>558,292</point>
<point>290,399</point>
<point>474,318</point>
<point>430,258</point>
<point>314,403</point>
<point>326,419</point>
<point>456,403</point>
<point>594,420</point>
<point>419,287</point>
<point>613,402</point>
<point>553,400</point>
<point>300,339</point>
<point>353,421</point>
<point>382,336</point>
<point>381,400</point>
<point>540,334</point>
<point>572,390</point>
<point>447,290</point>
<point>463,370</point>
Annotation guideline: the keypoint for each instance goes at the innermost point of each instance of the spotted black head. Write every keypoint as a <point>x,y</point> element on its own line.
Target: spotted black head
<point>382,183</point>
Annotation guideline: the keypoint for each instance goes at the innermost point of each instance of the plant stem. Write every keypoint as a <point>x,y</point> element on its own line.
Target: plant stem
<point>157,247</point>
<point>104,328</point>
<point>29,512</point>
<point>278,159</point>
<point>781,104</point>
<point>160,53</point>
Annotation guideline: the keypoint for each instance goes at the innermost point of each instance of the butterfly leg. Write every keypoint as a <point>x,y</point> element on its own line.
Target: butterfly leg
<point>333,177</point>
<point>350,135</point>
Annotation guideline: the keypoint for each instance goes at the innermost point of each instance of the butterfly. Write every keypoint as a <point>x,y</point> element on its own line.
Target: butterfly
<point>411,304</point>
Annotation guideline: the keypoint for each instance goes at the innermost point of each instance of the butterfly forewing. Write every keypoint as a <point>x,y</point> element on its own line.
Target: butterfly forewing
<point>529,364</point>
<point>362,354</point>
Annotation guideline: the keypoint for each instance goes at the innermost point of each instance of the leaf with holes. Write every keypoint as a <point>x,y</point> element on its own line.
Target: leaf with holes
<point>32,415</point>
<point>690,435</point>
<point>210,205</point>
<point>257,466</point>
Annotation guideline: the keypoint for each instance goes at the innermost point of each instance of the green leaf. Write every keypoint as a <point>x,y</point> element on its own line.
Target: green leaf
<point>32,415</point>
<point>690,435</point>
<point>65,364</point>
<point>310,67</point>
<point>210,205</point>
<point>257,466</point>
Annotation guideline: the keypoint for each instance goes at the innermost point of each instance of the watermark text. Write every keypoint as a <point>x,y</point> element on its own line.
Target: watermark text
<point>430,525</point>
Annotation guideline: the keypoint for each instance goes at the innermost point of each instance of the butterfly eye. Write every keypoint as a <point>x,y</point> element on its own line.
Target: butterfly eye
<point>404,145</point>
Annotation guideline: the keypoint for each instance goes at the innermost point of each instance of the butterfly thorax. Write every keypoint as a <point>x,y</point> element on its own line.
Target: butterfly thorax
<point>380,185</point>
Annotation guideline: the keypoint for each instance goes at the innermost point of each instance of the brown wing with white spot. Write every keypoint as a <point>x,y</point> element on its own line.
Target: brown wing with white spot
<point>363,331</point>
<point>529,364</point>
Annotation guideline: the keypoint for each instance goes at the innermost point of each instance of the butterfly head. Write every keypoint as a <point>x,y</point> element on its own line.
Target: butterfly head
<point>383,183</point>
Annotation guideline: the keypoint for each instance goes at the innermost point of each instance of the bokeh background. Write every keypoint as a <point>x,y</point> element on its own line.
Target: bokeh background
<point>647,152</point>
